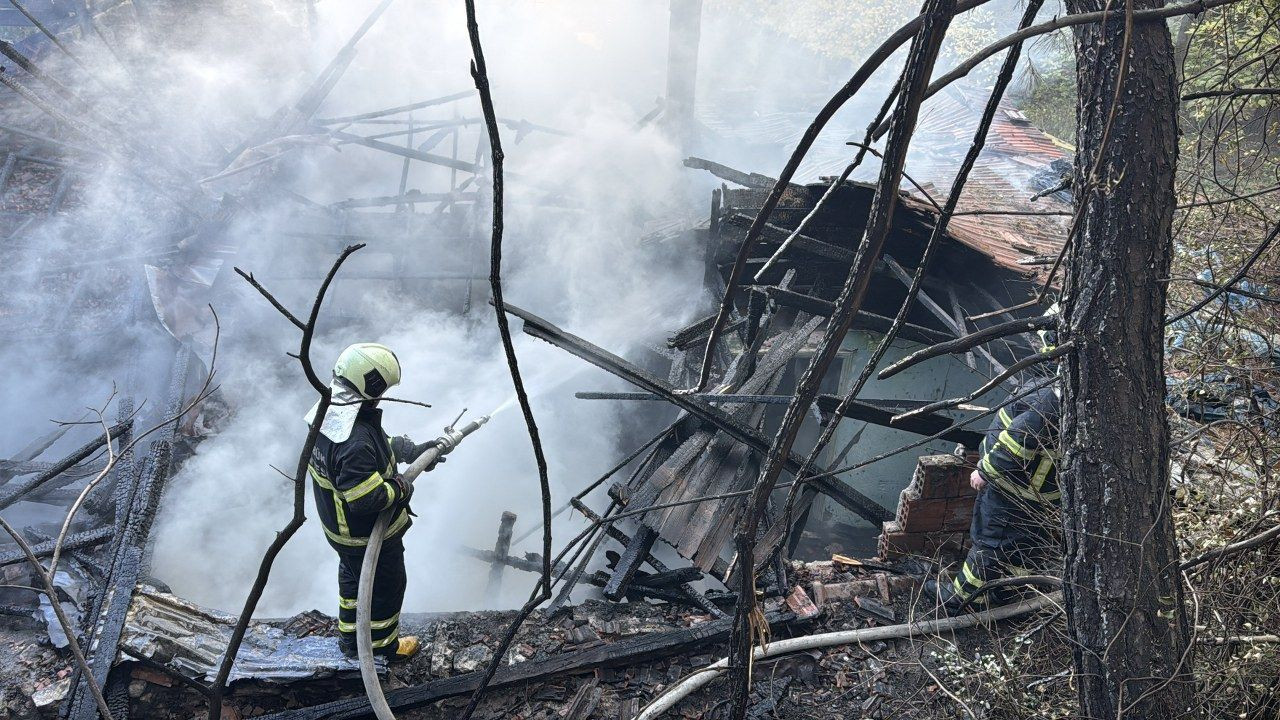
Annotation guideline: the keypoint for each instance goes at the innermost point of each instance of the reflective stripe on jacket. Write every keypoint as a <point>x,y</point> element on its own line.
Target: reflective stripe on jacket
<point>352,483</point>
<point>1020,451</point>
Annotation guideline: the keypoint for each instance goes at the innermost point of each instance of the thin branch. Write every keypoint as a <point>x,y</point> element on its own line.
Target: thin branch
<point>973,339</point>
<point>1231,93</point>
<point>1218,553</point>
<point>479,73</point>
<point>1013,369</point>
<point>218,687</point>
<point>272,299</point>
<point>68,628</point>
<point>1237,277</point>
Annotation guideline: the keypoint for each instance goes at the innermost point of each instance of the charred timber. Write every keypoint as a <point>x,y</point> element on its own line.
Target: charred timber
<point>868,320</point>
<point>633,555</point>
<point>22,489</point>
<point>611,529</point>
<point>802,243</point>
<point>85,539</point>
<point>835,489</point>
<point>624,653</point>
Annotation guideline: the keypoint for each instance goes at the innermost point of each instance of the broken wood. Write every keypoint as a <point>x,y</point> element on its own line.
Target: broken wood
<point>865,319</point>
<point>632,556</point>
<point>668,578</point>
<point>611,529</point>
<point>929,424</point>
<point>85,539</point>
<point>500,550</point>
<point>738,177</point>
<point>628,652</point>
<point>22,489</point>
<point>835,489</point>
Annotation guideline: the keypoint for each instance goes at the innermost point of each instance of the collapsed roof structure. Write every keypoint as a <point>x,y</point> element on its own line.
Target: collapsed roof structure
<point>685,486</point>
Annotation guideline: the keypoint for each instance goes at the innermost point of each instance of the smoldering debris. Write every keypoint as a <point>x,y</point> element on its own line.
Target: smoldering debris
<point>151,148</point>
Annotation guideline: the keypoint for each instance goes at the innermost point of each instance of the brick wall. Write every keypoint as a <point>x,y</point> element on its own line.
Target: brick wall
<point>933,511</point>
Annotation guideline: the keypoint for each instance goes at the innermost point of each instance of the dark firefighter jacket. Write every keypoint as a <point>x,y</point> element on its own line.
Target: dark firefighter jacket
<point>351,480</point>
<point>1020,451</point>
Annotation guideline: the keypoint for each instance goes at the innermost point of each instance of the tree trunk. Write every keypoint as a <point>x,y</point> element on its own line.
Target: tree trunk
<point>1123,590</point>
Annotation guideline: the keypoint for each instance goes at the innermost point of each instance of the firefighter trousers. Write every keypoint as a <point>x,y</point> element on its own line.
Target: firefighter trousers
<point>1009,536</point>
<point>388,595</point>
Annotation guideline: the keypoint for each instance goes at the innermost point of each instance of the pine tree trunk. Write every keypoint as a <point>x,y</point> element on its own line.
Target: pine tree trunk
<point>1123,590</point>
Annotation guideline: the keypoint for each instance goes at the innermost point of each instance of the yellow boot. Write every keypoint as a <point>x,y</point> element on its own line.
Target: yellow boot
<point>406,647</point>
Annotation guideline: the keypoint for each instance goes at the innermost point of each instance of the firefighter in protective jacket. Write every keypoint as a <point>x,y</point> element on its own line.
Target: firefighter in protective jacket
<point>1013,527</point>
<point>354,478</point>
<point>1012,530</point>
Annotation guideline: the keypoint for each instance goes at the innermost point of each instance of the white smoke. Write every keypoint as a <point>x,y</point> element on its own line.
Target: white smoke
<point>579,250</point>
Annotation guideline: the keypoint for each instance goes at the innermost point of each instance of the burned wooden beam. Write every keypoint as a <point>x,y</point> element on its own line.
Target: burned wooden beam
<point>413,196</point>
<point>737,177</point>
<point>531,562</point>
<point>137,502</point>
<point>85,539</point>
<point>633,555</point>
<point>628,652</point>
<point>20,490</point>
<point>501,550</point>
<point>698,330</point>
<point>396,110</point>
<point>864,319</point>
<point>835,489</point>
<point>685,590</point>
<point>803,243</point>
<point>929,424</point>
<point>956,325</point>
<point>668,578</point>
<point>408,152</point>
<point>31,450</point>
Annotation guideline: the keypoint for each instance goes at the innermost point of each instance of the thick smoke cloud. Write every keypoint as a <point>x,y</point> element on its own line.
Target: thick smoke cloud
<point>581,250</point>
<point>583,265</point>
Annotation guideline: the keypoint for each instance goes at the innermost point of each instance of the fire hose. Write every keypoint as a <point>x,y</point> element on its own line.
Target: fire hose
<point>364,600</point>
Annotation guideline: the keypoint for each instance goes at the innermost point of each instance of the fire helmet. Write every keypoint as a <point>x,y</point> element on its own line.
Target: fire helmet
<point>1049,336</point>
<point>368,368</point>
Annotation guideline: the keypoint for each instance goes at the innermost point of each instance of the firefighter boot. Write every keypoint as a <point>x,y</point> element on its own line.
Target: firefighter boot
<point>405,647</point>
<point>946,601</point>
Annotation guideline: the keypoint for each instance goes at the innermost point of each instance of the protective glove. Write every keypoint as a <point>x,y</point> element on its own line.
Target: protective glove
<point>407,451</point>
<point>404,492</point>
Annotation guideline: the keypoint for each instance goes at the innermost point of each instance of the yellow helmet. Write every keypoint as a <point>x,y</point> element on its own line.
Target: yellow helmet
<point>368,368</point>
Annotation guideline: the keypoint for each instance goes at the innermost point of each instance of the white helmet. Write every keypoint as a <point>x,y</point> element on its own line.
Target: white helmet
<point>369,368</point>
<point>364,371</point>
<point>1049,336</point>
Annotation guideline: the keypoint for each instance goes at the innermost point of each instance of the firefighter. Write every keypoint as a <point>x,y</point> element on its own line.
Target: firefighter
<point>353,471</point>
<point>1013,526</point>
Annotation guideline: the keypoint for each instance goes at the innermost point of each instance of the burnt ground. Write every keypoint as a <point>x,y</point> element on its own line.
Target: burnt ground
<point>898,679</point>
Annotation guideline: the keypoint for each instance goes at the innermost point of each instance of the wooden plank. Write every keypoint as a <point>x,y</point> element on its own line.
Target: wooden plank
<point>864,319</point>
<point>500,550</point>
<point>929,424</point>
<point>836,489</point>
<point>632,556</point>
<point>628,652</point>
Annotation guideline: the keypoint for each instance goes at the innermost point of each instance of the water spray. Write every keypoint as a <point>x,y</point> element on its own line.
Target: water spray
<point>445,444</point>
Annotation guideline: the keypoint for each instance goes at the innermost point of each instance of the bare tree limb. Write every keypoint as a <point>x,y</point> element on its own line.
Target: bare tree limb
<point>480,74</point>
<point>68,628</point>
<point>973,339</point>
<point>218,687</point>
<point>994,382</point>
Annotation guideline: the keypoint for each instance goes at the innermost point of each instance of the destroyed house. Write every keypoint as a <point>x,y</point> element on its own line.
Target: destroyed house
<point>993,256</point>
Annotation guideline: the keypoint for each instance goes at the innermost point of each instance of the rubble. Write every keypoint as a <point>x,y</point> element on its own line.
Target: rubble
<point>154,654</point>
